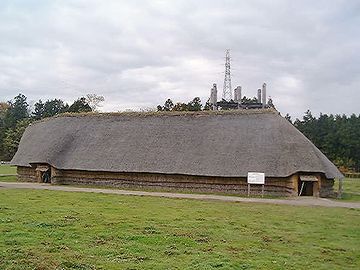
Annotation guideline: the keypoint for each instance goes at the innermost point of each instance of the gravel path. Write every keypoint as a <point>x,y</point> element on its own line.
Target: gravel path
<point>298,201</point>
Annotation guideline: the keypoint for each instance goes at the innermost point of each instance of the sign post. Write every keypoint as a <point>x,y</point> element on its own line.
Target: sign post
<point>256,178</point>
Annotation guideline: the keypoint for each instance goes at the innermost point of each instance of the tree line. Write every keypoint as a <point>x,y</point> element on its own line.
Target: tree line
<point>16,115</point>
<point>196,105</point>
<point>193,105</point>
<point>337,136</point>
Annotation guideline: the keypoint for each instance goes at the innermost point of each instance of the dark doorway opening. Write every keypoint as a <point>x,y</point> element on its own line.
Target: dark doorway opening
<point>306,188</point>
<point>46,176</point>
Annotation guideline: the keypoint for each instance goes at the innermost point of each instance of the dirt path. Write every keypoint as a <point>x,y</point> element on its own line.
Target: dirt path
<point>299,201</point>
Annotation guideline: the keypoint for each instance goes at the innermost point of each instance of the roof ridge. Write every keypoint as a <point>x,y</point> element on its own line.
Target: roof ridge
<point>163,113</point>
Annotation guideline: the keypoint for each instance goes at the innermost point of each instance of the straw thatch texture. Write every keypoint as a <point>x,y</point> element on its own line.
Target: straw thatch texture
<point>204,144</point>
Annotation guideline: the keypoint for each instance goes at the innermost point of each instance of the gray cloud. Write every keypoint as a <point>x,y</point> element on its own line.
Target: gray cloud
<point>138,53</point>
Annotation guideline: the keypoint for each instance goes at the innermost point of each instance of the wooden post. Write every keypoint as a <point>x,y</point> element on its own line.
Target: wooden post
<point>262,191</point>
<point>340,190</point>
<point>38,176</point>
<point>302,187</point>
<point>248,190</point>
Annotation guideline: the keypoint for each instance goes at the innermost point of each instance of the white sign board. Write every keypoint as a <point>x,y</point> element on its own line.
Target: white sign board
<point>256,178</point>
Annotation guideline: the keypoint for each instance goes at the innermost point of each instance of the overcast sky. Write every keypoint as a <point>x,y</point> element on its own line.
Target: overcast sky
<point>138,53</point>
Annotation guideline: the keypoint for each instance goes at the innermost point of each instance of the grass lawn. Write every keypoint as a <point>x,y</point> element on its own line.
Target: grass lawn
<point>7,169</point>
<point>351,188</point>
<point>8,178</point>
<point>65,230</point>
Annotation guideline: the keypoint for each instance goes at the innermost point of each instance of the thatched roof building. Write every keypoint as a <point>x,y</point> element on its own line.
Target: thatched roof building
<point>182,150</point>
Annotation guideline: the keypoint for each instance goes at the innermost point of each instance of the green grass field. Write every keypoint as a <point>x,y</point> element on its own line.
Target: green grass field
<point>351,188</point>
<point>65,230</point>
<point>7,169</point>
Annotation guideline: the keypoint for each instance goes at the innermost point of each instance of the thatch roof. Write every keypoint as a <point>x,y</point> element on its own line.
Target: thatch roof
<point>207,143</point>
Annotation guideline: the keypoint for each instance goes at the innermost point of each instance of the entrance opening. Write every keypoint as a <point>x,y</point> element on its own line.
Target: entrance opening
<point>307,185</point>
<point>46,176</point>
<point>306,188</point>
<point>43,173</point>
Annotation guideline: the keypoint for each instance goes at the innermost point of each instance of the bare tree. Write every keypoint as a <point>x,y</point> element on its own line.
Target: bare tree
<point>94,101</point>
